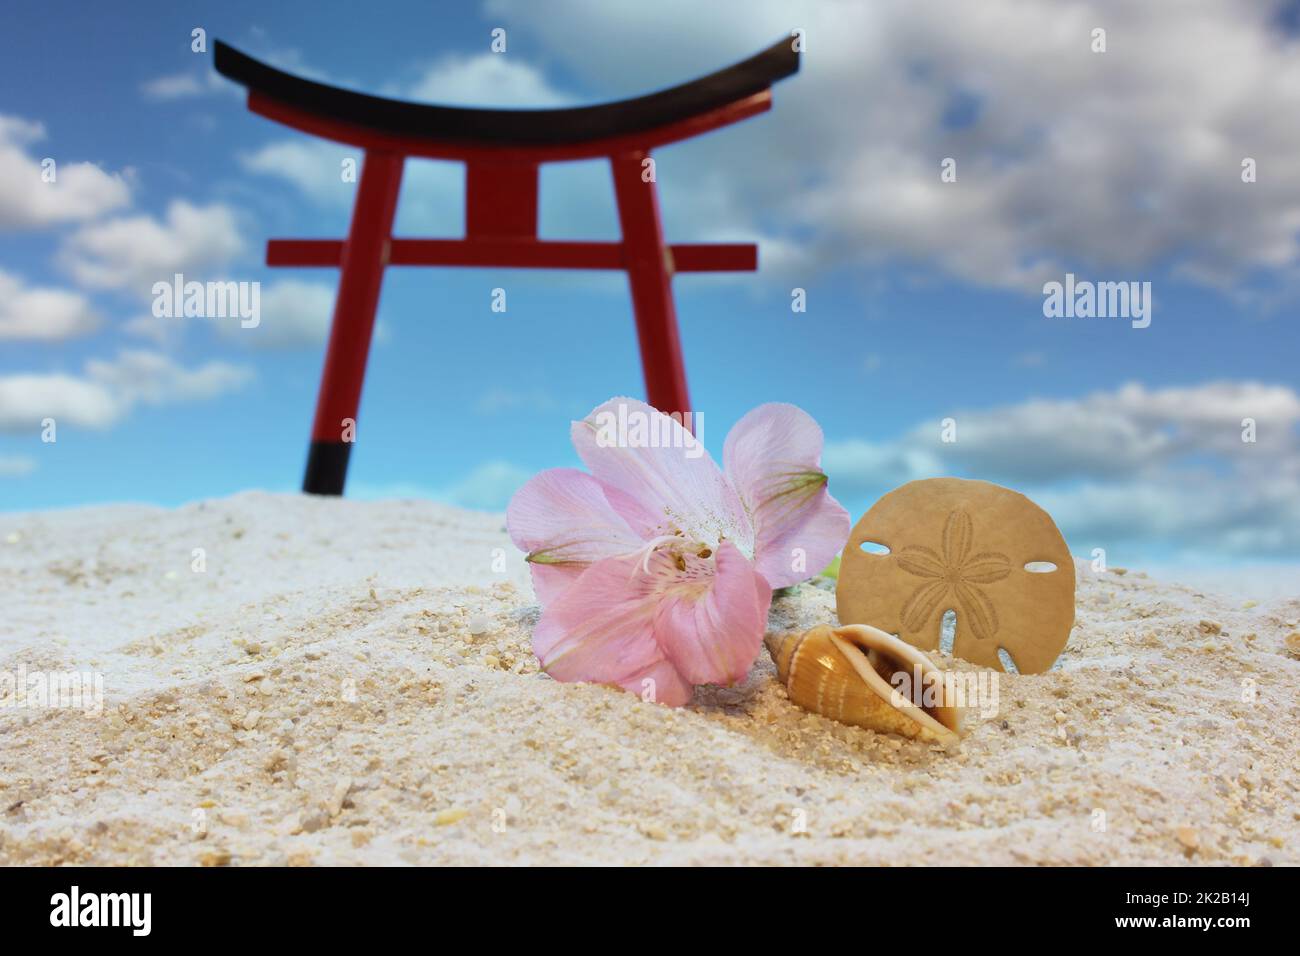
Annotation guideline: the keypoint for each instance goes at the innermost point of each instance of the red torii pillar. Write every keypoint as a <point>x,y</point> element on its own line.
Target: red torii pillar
<point>502,151</point>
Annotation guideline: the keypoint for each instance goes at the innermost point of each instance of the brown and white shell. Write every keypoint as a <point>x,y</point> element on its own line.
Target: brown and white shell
<point>850,674</point>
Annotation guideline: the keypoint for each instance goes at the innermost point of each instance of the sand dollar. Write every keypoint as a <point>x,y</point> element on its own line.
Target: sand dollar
<point>972,547</point>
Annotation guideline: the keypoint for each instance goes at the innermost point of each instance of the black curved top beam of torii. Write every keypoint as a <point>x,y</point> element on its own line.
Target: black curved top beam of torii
<point>502,150</point>
<point>513,127</point>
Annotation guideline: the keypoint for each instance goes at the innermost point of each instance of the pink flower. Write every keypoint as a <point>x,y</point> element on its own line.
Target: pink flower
<point>655,571</point>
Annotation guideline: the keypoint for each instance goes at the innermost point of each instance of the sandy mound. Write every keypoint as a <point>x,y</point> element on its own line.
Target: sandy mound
<point>317,695</point>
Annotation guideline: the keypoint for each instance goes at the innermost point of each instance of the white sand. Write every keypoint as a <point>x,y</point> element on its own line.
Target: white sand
<point>316,696</point>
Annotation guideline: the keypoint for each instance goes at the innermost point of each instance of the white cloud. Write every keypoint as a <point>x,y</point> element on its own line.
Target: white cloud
<point>134,252</point>
<point>294,314</point>
<point>163,331</point>
<point>487,487</point>
<point>1201,516</point>
<point>1166,466</point>
<point>154,379</point>
<point>41,314</point>
<point>26,399</point>
<point>187,85</point>
<point>487,79</point>
<point>1114,163</point>
<point>432,198</point>
<point>313,166</point>
<point>16,466</point>
<point>109,390</point>
<point>1123,433</point>
<point>80,191</point>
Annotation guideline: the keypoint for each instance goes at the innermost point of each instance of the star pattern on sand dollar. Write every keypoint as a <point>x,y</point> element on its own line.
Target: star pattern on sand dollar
<point>955,573</point>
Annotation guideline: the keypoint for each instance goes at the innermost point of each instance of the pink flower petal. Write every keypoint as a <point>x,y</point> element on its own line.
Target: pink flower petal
<point>601,630</point>
<point>660,683</point>
<point>712,630</point>
<point>658,464</point>
<point>562,519</point>
<point>621,624</point>
<point>552,580</point>
<point>773,458</point>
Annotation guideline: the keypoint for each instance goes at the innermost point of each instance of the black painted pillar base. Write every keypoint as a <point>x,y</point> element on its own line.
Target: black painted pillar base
<point>327,467</point>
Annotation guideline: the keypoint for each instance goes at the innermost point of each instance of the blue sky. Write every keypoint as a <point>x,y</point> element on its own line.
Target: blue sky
<point>924,298</point>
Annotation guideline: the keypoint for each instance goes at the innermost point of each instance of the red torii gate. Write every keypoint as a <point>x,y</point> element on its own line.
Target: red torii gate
<point>502,150</point>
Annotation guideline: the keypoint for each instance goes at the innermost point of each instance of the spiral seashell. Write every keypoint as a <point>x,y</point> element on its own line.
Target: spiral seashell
<point>852,674</point>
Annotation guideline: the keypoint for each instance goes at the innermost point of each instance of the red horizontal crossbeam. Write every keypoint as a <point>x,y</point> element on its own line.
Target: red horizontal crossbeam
<point>515,253</point>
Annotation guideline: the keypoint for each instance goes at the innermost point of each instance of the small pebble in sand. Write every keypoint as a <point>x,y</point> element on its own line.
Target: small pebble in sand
<point>1188,837</point>
<point>1210,627</point>
<point>445,817</point>
<point>1293,643</point>
<point>480,624</point>
<point>654,831</point>
<point>339,795</point>
<point>251,718</point>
